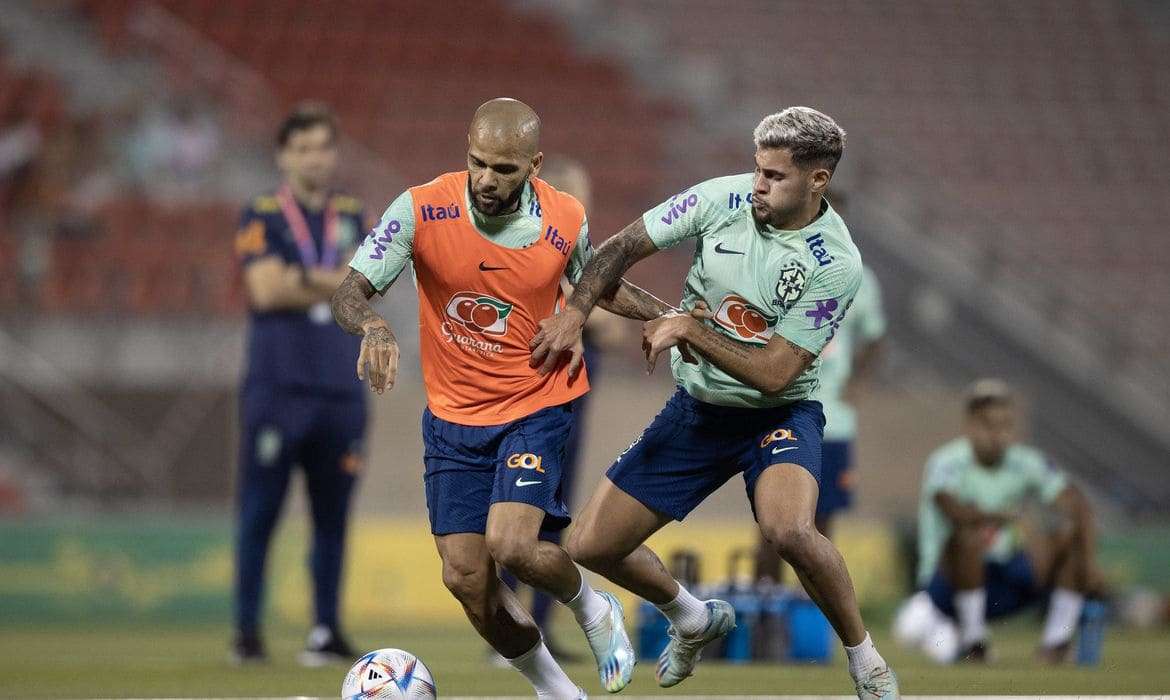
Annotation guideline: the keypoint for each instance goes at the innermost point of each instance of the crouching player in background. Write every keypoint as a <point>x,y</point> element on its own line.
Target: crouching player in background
<point>972,563</point>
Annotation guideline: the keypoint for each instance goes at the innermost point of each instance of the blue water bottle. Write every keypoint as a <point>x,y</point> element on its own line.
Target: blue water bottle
<point>652,628</point>
<point>1091,634</point>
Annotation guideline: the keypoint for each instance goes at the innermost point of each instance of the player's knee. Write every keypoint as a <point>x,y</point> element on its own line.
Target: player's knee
<point>792,539</point>
<point>511,552</point>
<point>466,581</point>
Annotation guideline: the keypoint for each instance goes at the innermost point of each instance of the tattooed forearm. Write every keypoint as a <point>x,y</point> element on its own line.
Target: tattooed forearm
<point>769,369</point>
<point>713,345</point>
<point>351,303</point>
<point>601,276</point>
<point>634,302</point>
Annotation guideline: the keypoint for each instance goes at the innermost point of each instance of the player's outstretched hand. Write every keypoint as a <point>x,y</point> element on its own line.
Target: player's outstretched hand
<point>558,333</point>
<point>380,354</point>
<point>663,333</point>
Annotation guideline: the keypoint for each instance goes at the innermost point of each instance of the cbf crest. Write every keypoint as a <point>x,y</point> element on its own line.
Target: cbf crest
<point>790,285</point>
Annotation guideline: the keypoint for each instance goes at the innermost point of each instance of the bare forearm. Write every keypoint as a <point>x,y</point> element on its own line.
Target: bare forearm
<point>960,513</point>
<point>753,366</point>
<point>634,302</point>
<point>351,305</point>
<point>324,280</point>
<point>280,289</point>
<point>604,272</point>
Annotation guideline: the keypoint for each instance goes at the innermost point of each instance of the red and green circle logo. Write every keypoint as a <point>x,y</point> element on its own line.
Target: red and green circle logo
<point>479,313</point>
<point>744,321</point>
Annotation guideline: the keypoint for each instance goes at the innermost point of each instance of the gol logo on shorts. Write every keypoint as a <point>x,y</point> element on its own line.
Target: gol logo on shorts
<point>777,435</point>
<point>526,461</point>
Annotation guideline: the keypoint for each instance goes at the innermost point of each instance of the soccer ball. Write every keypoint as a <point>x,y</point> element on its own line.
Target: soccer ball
<point>388,673</point>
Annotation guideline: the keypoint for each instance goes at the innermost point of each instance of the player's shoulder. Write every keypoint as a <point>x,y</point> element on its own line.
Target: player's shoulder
<point>869,281</point>
<point>739,182</point>
<point>727,194</point>
<point>1026,457</point>
<point>442,184</point>
<point>950,455</point>
<point>344,203</point>
<point>263,205</point>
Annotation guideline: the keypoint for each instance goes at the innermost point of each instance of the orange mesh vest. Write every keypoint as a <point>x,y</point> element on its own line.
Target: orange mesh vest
<point>479,304</point>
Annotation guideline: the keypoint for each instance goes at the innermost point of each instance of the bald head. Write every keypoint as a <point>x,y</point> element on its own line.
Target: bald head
<point>506,125</point>
<point>503,152</point>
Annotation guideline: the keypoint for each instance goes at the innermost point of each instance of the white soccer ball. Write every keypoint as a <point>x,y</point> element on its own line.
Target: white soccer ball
<point>388,673</point>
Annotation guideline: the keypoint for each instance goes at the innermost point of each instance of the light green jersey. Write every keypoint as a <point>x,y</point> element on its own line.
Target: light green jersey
<point>758,281</point>
<point>381,261</point>
<point>1023,473</point>
<point>865,324</point>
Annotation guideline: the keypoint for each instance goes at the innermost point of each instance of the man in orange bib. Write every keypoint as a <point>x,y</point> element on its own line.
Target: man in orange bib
<point>489,247</point>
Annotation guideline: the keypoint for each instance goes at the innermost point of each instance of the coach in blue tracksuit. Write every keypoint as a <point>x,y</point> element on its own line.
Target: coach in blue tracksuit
<point>300,404</point>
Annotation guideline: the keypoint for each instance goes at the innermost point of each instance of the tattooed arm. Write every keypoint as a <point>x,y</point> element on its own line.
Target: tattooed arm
<point>769,369</point>
<point>632,301</point>
<point>352,311</point>
<point>601,280</point>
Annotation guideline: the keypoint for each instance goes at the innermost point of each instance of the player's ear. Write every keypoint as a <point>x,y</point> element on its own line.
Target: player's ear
<point>820,180</point>
<point>537,161</point>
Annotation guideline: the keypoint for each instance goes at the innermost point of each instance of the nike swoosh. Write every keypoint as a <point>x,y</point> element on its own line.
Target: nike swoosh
<point>720,249</point>
<point>521,482</point>
<point>483,267</point>
<point>778,450</point>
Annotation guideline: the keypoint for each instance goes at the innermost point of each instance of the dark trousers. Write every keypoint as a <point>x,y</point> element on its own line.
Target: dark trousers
<point>281,429</point>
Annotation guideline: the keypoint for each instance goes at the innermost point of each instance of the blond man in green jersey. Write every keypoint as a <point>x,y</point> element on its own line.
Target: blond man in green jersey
<point>776,268</point>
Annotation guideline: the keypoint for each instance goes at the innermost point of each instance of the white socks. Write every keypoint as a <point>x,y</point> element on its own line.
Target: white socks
<point>542,671</point>
<point>1064,612</point>
<point>686,613</point>
<point>588,606</point>
<point>971,607</point>
<point>864,658</point>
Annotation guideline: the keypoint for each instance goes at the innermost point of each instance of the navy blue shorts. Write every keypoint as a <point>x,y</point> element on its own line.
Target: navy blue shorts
<point>468,468</point>
<point>1011,587</point>
<point>692,448</point>
<point>836,480</point>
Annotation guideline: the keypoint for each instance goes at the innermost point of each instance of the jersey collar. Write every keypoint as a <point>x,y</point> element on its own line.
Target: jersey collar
<point>493,225</point>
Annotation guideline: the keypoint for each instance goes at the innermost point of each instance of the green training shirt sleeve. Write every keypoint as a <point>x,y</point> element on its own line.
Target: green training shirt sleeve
<point>1045,480</point>
<point>940,476</point>
<point>582,254</point>
<point>867,305</point>
<point>689,213</point>
<point>387,249</point>
<point>814,318</point>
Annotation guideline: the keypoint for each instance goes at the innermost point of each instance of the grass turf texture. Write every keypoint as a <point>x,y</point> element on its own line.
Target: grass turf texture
<point>120,661</point>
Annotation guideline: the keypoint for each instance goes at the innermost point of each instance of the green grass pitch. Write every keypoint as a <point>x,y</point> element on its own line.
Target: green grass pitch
<point>62,661</point>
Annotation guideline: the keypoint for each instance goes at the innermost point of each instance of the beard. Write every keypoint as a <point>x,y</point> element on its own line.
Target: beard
<point>503,204</point>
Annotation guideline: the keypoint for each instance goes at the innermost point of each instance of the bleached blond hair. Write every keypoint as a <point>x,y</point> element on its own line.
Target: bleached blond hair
<point>813,137</point>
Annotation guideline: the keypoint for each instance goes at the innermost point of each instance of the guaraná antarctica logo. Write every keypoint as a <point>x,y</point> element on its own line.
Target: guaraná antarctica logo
<point>479,313</point>
<point>746,322</point>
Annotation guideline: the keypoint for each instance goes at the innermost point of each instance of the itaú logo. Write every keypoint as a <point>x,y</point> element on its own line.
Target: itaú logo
<point>525,460</point>
<point>479,313</point>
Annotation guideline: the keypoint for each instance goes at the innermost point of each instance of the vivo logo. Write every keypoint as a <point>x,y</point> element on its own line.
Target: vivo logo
<point>680,207</point>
